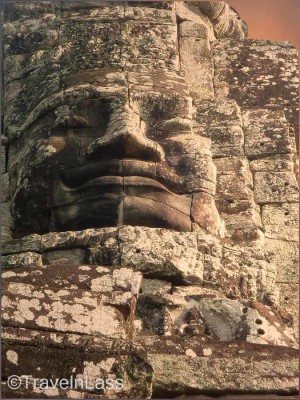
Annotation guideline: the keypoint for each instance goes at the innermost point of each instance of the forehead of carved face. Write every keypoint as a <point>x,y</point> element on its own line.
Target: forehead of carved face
<point>130,152</point>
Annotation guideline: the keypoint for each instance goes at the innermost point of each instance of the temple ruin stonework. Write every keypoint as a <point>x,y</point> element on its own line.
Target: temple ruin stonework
<point>149,202</point>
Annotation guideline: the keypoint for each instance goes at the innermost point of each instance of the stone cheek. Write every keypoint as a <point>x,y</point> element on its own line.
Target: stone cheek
<point>205,214</point>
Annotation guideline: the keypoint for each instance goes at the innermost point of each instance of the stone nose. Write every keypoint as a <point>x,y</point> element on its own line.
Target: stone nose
<point>125,138</point>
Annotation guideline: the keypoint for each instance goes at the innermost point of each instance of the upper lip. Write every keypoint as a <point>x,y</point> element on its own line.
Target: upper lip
<point>74,177</point>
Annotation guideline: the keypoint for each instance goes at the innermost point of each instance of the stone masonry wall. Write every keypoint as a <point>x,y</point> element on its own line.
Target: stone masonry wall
<point>172,313</point>
<point>249,96</point>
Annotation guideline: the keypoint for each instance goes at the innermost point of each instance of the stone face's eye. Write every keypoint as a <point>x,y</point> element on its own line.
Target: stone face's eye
<point>86,121</point>
<point>92,114</point>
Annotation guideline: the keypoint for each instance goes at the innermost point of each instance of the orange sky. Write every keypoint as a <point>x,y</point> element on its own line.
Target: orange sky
<point>277,20</point>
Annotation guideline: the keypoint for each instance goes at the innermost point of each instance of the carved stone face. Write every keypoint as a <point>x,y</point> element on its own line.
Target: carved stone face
<point>126,154</point>
<point>151,116</point>
<point>103,122</point>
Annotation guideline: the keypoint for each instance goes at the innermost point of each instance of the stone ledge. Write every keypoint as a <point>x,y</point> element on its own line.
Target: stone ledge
<point>43,354</point>
<point>185,367</point>
<point>184,258</point>
<point>78,299</point>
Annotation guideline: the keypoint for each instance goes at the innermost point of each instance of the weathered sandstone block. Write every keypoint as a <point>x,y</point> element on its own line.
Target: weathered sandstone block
<point>159,253</point>
<point>4,188</point>
<point>285,255</point>
<point>198,366</point>
<point>3,158</point>
<point>196,59</point>
<point>149,184</point>
<point>39,354</point>
<point>265,75</point>
<point>277,163</point>
<point>6,222</point>
<point>204,313</point>
<point>281,221</point>
<point>276,187</point>
<point>79,299</point>
<point>25,259</point>
<point>266,133</point>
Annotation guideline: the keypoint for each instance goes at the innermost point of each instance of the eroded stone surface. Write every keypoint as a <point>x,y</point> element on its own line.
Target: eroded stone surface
<point>149,196</point>
<point>161,254</point>
<point>6,222</point>
<point>207,369</point>
<point>26,259</point>
<point>92,356</point>
<point>201,312</point>
<point>80,299</point>
<point>281,221</point>
<point>285,255</point>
